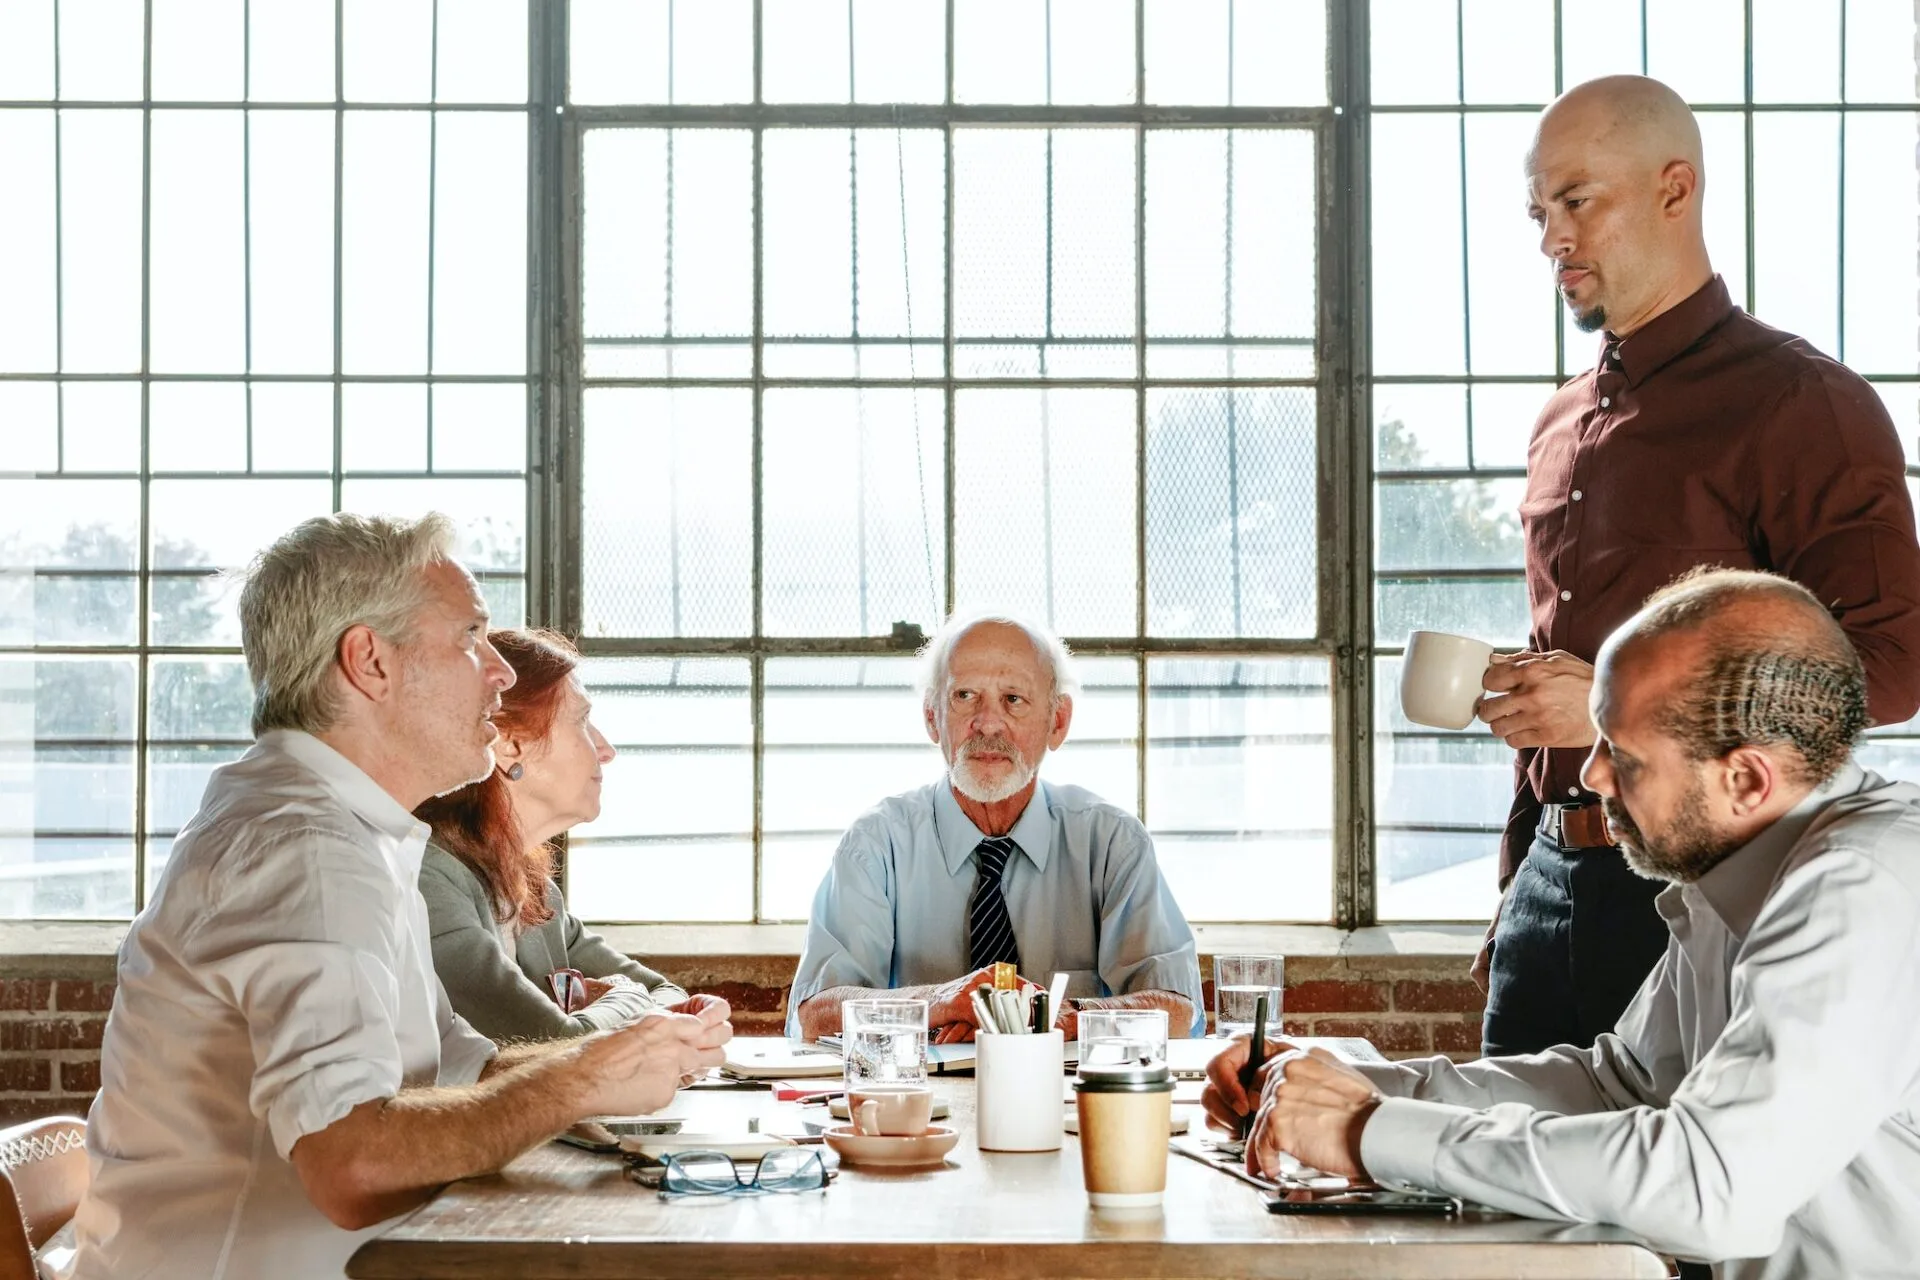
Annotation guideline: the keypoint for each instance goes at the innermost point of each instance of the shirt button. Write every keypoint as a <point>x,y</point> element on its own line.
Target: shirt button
<point>1605,401</point>
<point>1576,495</point>
<point>1573,791</point>
<point>1566,595</point>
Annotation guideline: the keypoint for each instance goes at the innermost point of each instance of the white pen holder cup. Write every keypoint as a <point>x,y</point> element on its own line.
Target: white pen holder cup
<point>1019,1091</point>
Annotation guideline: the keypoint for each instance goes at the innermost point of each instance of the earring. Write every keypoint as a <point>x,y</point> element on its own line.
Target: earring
<point>517,772</point>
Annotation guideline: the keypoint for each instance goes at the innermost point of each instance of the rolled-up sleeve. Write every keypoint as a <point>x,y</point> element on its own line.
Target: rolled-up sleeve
<point>850,930</point>
<point>464,1052</point>
<point>1145,941</point>
<point>320,1004</point>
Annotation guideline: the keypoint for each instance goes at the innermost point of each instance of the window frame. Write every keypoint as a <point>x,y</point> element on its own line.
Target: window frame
<point>1340,579</point>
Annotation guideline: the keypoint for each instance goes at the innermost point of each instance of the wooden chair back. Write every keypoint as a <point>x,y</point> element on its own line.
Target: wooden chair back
<point>43,1171</point>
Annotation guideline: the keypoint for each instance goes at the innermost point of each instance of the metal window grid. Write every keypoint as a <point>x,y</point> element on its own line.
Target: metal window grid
<point>1331,383</point>
<point>1343,381</point>
<point>144,648</point>
<point>1748,110</point>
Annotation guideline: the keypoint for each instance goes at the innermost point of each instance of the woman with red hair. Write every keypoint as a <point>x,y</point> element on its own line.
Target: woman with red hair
<point>516,964</point>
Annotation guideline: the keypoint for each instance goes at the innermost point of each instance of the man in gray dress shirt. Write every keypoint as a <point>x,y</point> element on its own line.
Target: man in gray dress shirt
<point>929,888</point>
<point>1756,1104</point>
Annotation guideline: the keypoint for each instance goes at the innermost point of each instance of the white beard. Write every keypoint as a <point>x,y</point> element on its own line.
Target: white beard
<point>982,791</point>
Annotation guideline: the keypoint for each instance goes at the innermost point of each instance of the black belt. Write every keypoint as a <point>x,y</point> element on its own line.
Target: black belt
<point>1576,826</point>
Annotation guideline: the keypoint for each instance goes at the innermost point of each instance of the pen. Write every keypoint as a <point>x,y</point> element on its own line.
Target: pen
<point>1004,1012</point>
<point>1040,1024</point>
<point>982,1012</point>
<point>1256,1057</point>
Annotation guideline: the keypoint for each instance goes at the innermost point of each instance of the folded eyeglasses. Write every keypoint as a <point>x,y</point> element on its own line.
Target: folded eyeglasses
<point>713,1173</point>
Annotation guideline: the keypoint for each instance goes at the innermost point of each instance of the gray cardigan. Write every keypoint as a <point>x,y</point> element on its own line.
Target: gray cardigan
<point>508,997</point>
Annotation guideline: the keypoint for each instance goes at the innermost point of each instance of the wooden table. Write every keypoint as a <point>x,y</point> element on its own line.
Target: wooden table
<point>562,1212</point>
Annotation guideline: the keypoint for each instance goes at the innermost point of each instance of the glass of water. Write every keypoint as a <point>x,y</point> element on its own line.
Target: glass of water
<point>884,1042</point>
<point>1112,1037</point>
<point>1238,983</point>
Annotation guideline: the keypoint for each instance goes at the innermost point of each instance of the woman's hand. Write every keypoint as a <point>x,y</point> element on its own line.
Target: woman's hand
<point>696,1005</point>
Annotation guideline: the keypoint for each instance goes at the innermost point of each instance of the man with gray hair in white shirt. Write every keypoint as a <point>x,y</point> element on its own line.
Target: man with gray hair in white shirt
<point>1758,1104</point>
<point>281,1070</point>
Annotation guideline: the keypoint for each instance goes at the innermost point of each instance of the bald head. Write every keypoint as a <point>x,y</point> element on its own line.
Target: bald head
<point>1615,176</point>
<point>1725,659</point>
<point>1634,118</point>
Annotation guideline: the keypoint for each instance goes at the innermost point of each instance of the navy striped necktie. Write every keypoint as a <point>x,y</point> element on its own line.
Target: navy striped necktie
<point>989,929</point>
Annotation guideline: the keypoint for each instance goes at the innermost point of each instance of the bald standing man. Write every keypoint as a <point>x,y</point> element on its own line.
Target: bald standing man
<point>1700,437</point>
<point>1754,1107</point>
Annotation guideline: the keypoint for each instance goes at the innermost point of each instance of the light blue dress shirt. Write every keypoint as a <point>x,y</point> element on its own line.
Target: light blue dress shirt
<point>1084,893</point>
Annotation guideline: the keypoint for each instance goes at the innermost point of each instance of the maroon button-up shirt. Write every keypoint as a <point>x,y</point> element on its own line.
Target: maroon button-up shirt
<point>1708,438</point>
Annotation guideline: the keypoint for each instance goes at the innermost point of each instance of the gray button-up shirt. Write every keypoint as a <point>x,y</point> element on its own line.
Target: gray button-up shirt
<point>1085,896</point>
<point>1757,1102</point>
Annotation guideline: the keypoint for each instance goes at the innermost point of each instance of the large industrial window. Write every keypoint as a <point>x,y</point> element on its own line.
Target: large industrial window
<point>1812,201</point>
<point>893,307</point>
<point>747,338</point>
<point>259,260</point>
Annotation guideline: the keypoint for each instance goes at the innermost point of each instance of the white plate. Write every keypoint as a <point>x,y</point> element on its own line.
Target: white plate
<point>741,1146</point>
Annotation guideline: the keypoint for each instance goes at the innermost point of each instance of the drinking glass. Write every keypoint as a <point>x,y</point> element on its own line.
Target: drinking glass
<point>884,1041</point>
<point>1109,1037</point>
<point>1239,981</point>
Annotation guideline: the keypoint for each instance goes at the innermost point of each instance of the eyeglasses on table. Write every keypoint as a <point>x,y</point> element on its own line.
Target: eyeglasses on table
<point>713,1173</point>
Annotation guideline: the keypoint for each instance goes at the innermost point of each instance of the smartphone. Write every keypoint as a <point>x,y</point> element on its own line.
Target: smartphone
<point>1378,1200</point>
<point>604,1135</point>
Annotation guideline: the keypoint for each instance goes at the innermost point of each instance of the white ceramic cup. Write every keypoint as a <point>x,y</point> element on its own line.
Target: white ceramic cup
<point>1440,678</point>
<point>1020,1091</point>
<point>893,1111</point>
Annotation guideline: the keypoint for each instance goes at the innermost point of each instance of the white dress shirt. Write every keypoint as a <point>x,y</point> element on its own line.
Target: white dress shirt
<point>280,977</point>
<point>1085,898</point>
<point>1756,1104</point>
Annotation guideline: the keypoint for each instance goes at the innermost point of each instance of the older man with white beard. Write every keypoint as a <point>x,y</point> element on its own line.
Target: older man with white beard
<point>930,888</point>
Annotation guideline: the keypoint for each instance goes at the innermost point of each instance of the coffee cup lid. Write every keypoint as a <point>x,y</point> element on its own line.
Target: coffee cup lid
<point>1131,1073</point>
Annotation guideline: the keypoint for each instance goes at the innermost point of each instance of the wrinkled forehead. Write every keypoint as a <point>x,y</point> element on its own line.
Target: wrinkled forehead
<point>452,592</point>
<point>1637,678</point>
<point>995,651</point>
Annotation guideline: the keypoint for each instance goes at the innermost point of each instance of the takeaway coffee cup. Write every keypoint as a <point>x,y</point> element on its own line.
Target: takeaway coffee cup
<point>891,1110</point>
<point>1440,678</point>
<point>1018,1092</point>
<point>1125,1109</point>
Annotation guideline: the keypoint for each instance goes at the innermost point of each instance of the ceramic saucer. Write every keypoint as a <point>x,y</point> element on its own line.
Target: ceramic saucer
<point>927,1148</point>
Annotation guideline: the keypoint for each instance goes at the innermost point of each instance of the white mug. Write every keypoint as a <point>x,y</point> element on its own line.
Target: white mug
<point>1441,678</point>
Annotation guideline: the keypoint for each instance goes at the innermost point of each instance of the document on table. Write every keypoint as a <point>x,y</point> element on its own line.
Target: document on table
<point>777,1058</point>
<point>940,1057</point>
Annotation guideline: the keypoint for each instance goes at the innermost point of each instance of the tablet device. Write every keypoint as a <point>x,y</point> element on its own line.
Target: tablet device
<point>1372,1200</point>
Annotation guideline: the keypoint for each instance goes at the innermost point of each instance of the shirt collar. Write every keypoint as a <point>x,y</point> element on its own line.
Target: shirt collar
<point>1738,887</point>
<point>959,837</point>
<point>1648,349</point>
<point>367,799</point>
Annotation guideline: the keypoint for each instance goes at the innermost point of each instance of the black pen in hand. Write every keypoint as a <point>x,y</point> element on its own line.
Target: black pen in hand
<point>1256,1058</point>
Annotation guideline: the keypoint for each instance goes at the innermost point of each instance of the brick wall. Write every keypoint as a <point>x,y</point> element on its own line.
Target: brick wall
<point>52,1014</point>
<point>50,1044</point>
